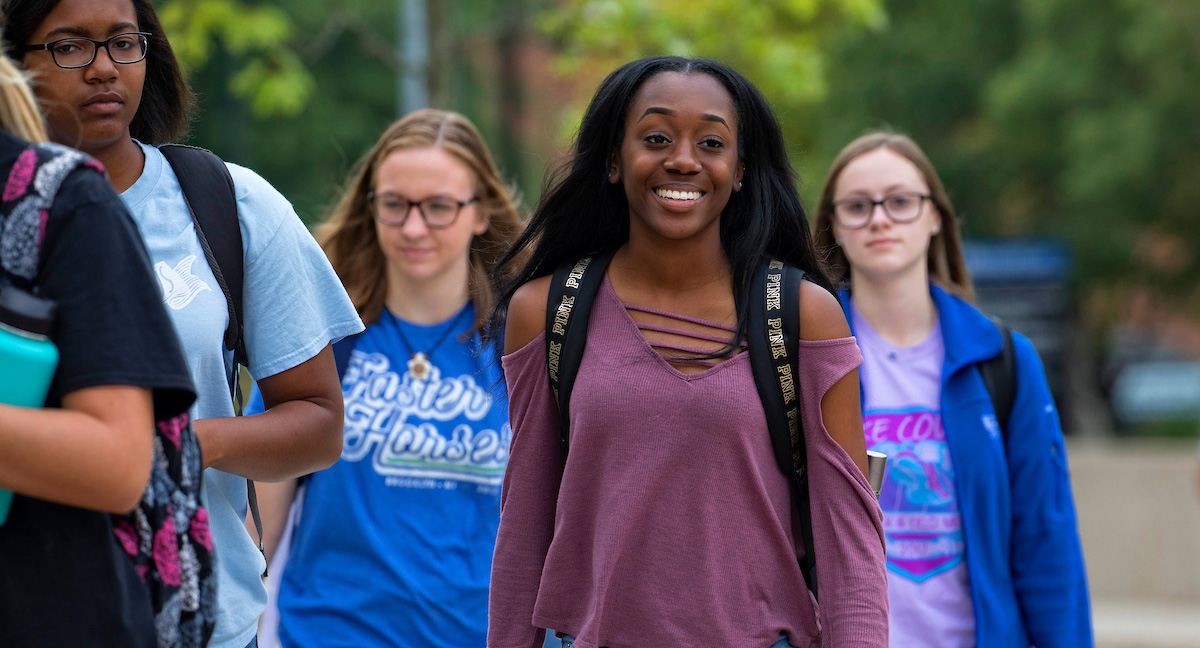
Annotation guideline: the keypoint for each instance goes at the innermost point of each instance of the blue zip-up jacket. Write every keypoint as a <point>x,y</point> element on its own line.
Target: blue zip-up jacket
<point>1024,561</point>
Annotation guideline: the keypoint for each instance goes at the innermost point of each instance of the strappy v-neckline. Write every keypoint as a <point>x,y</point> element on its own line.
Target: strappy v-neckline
<point>636,329</point>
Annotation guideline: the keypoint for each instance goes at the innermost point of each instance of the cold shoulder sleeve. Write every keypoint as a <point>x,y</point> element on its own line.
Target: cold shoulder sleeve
<point>527,500</point>
<point>846,520</point>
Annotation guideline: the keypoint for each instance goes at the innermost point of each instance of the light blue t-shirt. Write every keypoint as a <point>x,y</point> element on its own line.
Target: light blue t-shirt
<point>394,543</point>
<point>294,306</point>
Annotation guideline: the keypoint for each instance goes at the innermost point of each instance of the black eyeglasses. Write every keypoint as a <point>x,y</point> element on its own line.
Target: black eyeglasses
<point>856,213</point>
<point>79,52</point>
<point>438,212</point>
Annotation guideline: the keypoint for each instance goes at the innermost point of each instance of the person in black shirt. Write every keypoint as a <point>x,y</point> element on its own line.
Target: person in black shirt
<point>64,579</point>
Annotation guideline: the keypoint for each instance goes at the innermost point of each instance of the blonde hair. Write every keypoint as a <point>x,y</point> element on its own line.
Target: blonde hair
<point>944,259</point>
<point>348,235</point>
<point>19,112</point>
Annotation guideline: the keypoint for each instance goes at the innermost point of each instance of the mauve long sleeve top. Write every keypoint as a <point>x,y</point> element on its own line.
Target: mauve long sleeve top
<point>670,523</point>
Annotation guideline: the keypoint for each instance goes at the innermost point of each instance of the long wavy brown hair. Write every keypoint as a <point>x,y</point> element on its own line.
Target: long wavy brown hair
<point>944,260</point>
<point>348,235</point>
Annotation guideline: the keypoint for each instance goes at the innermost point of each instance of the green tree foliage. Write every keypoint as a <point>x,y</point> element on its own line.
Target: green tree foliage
<point>269,75</point>
<point>1096,130</point>
<point>777,43</point>
<point>923,76</point>
<point>348,51</point>
<point>780,45</point>
<point>1070,118</point>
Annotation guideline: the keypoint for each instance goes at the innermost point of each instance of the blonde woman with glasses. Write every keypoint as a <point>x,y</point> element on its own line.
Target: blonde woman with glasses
<point>393,545</point>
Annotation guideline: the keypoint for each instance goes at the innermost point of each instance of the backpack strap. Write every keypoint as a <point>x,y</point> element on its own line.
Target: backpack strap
<point>211,200</point>
<point>572,290</point>
<point>1000,378</point>
<point>773,341</point>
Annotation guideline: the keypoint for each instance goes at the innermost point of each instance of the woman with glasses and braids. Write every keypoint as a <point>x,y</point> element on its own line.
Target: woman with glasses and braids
<point>392,546</point>
<point>110,86</point>
<point>981,536</point>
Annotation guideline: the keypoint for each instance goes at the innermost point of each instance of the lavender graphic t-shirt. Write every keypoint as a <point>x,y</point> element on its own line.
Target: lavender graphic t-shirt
<point>928,591</point>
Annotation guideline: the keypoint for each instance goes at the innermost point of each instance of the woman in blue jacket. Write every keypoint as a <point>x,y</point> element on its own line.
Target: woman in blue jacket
<point>980,523</point>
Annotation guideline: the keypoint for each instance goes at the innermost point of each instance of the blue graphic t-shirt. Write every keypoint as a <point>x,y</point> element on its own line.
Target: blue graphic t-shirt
<point>928,591</point>
<point>394,542</point>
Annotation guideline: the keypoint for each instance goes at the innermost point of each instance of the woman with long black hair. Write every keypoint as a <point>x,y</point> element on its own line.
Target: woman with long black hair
<point>669,522</point>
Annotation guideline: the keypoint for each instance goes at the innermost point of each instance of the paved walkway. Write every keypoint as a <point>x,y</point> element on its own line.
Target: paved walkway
<point>1146,624</point>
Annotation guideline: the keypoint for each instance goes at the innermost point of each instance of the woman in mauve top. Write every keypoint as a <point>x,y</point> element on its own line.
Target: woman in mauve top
<point>669,523</point>
<point>981,536</point>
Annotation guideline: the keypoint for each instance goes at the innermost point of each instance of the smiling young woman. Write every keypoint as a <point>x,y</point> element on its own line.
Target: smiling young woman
<point>678,164</point>
<point>982,545</point>
<point>669,523</point>
<point>110,85</point>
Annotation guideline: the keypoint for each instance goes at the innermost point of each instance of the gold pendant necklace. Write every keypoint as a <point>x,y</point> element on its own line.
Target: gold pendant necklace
<point>419,365</point>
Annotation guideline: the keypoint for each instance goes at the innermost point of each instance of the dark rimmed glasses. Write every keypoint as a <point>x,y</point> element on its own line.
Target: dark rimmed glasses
<point>856,213</point>
<point>79,52</point>
<point>438,212</point>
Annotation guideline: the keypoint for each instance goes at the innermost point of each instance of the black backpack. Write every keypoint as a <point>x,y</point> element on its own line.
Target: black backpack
<point>211,200</point>
<point>773,345</point>
<point>166,536</point>
<point>1000,378</point>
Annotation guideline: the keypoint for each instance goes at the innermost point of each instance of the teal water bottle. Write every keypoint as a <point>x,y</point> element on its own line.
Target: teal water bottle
<point>27,356</point>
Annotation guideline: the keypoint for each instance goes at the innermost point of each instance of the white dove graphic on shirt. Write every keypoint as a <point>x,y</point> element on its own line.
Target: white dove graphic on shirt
<point>179,285</point>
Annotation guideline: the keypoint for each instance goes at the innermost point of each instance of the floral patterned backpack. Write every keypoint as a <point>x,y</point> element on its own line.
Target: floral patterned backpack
<point>167,536</point>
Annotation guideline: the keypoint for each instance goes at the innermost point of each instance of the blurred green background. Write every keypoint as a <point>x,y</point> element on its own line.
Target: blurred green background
<point>1071,119</point>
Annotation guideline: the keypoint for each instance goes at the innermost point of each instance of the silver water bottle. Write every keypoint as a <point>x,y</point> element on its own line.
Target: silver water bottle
<point>876,462</point>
